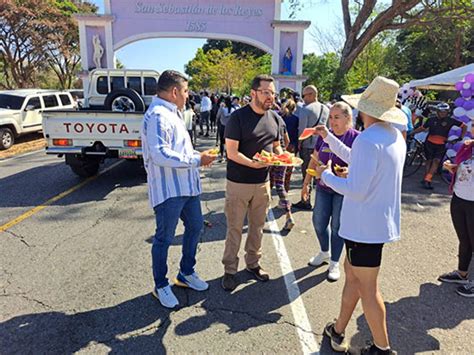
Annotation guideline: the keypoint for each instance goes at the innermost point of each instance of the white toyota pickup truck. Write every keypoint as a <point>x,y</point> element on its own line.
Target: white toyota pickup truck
<point>109,127</point>
<point>87,138</point>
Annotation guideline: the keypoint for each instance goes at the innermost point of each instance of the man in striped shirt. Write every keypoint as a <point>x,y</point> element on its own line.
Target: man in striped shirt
<point>174,185</point>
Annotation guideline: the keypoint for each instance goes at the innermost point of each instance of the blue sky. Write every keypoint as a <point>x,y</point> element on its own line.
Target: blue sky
<point>142,54</point>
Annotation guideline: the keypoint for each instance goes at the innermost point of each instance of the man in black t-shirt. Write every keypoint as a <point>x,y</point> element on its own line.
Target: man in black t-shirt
<point>250,130</point>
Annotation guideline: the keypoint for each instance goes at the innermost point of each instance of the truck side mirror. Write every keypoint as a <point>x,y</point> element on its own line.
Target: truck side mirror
<point>30,108</point>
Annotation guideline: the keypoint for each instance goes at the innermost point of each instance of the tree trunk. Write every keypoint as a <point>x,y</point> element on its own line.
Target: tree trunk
<point>458,50</point>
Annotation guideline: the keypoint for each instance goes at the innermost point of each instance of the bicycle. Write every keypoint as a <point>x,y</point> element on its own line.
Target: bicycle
<point>416,157</point>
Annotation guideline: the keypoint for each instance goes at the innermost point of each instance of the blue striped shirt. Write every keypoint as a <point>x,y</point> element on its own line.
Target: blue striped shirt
<point>171,163</point>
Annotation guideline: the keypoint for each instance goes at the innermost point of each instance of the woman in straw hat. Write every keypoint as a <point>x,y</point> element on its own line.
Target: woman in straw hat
<point>370,215</point>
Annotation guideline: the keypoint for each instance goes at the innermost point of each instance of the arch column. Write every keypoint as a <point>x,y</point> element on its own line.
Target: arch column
<point>288,34</point>
<point>90,26</point>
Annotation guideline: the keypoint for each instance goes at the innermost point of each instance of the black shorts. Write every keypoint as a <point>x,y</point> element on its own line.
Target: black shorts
<point>434,151</point>
<point>362,254</point>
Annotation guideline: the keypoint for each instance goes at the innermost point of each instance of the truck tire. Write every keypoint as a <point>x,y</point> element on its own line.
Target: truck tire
<point>124,100</point>
<point>83,167</point>
<point>7,138</point>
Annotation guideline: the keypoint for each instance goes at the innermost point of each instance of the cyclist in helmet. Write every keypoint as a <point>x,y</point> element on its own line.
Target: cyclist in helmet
<point>438,127</point>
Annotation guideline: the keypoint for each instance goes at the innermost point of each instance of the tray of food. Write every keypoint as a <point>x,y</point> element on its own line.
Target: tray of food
<point>270,159</point>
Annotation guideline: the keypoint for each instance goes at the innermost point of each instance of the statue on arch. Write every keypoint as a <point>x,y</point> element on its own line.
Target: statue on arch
<point>287,61</point>
<point>98,51</point>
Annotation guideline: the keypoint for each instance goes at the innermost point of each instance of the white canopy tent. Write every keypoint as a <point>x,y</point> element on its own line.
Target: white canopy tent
<point>443,81</point>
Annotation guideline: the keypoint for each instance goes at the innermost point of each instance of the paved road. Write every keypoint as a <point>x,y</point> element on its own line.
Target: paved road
<point>76,275</point>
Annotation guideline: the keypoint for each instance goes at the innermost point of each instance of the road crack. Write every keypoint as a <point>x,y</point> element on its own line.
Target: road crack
<point>44,305</point>
<point>107,212</point>
<point>19,237</point>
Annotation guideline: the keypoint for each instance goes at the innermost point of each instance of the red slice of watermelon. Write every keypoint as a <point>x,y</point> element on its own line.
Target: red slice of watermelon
<point>308,132</point>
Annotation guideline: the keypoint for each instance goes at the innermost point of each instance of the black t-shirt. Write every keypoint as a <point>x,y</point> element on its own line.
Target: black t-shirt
<point>254,132</point>
<point>440,127</point>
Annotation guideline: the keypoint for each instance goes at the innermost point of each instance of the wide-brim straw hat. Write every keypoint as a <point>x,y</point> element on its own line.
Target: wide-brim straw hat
<point>378,101</point>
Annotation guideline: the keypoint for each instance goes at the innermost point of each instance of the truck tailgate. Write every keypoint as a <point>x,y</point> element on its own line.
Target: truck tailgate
<point>87,128</point>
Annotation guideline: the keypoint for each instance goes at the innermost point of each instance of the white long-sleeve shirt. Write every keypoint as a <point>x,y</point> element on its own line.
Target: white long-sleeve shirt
<point>372,191</point>
<point>206,104</point>
<point>171,163</point>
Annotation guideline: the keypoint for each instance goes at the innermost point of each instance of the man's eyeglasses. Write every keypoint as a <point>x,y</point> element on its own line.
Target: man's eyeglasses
<point>267,92</point>
<point>308,93</point>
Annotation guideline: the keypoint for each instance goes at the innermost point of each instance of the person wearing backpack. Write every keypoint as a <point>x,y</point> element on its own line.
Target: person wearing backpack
<point>312,114</point>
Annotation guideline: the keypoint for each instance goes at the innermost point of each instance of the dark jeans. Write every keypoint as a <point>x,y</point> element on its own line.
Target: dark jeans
<point>167,214</point>
<point>222,139</point>
<point>462,214</point>
<point>204,121</point>
<point>327,209</point>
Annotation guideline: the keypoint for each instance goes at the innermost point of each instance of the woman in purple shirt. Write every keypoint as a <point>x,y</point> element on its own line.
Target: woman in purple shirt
<point>327,209</point>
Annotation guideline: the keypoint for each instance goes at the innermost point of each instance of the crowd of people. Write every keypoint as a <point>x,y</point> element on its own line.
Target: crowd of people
<point>357,154</point>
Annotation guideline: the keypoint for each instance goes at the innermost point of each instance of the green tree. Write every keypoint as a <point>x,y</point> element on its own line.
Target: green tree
<point>447,45</point>
<point>63,50</point>
<point>225,71</point>
<point>238,48</point>
<point>364,21</point>
<point>320,71</point>
<point>38,36</point>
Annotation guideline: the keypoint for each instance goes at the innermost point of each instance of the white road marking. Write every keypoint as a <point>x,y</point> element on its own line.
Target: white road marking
<point>309,345</point>
<point>22,155</point>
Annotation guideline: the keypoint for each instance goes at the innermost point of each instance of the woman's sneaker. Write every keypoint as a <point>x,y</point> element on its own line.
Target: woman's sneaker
<point>372,349</point>
<point>454,277</point>
<point>290,223</point>
<point>466,290</point>
<point>338,342</point>
<point>320,259</point>
<point>333,272</point>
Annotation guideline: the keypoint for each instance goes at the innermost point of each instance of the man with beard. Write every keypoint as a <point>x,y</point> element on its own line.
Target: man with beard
<point>250,130</point>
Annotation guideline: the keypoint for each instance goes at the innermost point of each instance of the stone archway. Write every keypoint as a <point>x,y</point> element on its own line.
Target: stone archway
<point>255,22</point>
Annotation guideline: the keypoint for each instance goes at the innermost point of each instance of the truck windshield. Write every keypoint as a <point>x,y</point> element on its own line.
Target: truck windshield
<point>11,102</point>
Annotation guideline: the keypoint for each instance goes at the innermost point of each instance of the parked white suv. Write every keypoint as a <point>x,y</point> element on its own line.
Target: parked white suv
<point>20,111</point>
<point>121,90</point>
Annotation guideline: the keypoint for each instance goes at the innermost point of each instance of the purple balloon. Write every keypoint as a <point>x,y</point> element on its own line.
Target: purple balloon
<point>468,105</point>
<point>459,102</point>
<point>455,131</point>
<point>458,85</point>
<point>466,93</point>
<point>469,78</point>
<point>464,119</point>
<point>457,146</point>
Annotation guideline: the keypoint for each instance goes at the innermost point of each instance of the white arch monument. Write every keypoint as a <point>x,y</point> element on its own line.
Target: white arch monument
<point>255,22</point>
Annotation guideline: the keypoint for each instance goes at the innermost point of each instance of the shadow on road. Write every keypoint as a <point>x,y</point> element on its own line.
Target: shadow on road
<point>411,319</point>
<point>139,325</point>
<point>246,307</point>
<point>131,327</point>
<point>35,186</point>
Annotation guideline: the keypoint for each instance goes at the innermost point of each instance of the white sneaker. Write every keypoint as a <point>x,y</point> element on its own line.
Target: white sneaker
<point>166,297</point>
<point>192,281</point>
<point>320,259</point>
<point>334,273</point>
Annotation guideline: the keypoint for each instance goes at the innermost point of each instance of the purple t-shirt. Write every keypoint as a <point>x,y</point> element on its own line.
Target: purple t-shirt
<point>325,154</point>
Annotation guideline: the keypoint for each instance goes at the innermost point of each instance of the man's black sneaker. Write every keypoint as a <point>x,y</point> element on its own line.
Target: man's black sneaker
<point>454,277</point>
<point>259,273</point>
<point>229,282</point>
<point>338,342</point>
<point>427,185</point>
<point>372,349</point>
<point>466,290</point>
<point>303,205</point>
